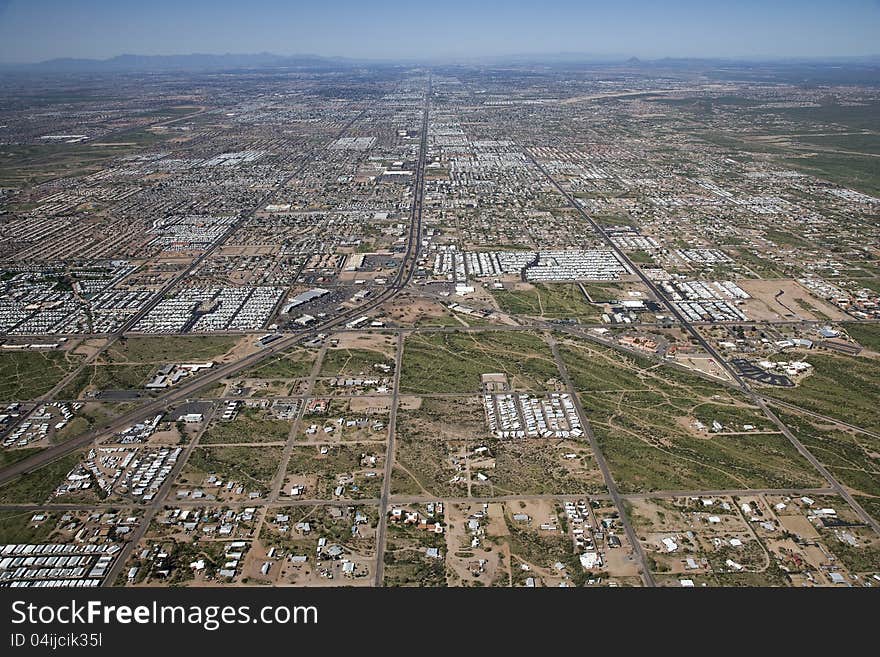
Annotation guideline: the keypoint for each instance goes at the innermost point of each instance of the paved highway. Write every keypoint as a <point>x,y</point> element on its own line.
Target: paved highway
<point>415,241</point>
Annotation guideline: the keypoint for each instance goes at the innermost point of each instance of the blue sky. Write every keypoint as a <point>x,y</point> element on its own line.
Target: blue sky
<point>33,30</point>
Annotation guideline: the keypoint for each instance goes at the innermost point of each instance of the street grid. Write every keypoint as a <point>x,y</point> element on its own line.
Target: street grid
<point>190,391</point>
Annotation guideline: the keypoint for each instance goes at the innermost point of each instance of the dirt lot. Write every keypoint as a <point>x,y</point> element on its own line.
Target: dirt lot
<point>408,403</point>
<point>703,364</point>
<point>384,344</point>
<point>408,310</point>
<point>370,404</point>
<point>799,525</point>
<point>244,347</point>
<point>88,348</point>
<point>796,302</point>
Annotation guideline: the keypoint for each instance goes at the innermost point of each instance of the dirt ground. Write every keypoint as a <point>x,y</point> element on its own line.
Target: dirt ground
<point>385,344</point>
<point>409,403</point>
<point>169,437</point>
<point>703,364</point>
<point>479,294</point>
<point>765,305</point>
<point>351,276</point>
<point>88,348</point>
<point>496,525</point>
<point>370,404</point>
<point>244,347</point>
<point>798,524</point>
<point>180,258</point>
<point>408,311</point>
<point>538,510</point>
<point>620,563</point>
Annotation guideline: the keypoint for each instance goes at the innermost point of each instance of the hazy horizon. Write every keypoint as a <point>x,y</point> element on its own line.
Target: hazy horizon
<point>100,29</point>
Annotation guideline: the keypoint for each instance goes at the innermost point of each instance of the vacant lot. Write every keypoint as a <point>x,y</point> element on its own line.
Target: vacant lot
<point>547,301</point>
<point>604,292</point>
<point>593,367</point>
<point>860,172</point>
<point>783,298</point>
<point>540,467</point>
<point>17,527</point>
<point>25,165</point>
<point>408,310</point>
<point>169,349</point>
<point>10,456</point>
<point>25,375</point>
<point>454,362</point>
<point>96,378</point>
<point>433,439</point>
<point>429,467</point>
<point>438,418</point>
<point>648,450</point>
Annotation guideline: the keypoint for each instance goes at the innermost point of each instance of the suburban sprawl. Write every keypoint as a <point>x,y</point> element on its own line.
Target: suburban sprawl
<point>514,326</point>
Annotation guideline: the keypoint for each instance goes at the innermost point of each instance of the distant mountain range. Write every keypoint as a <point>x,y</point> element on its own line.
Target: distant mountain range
<point>229,61</point>
<point>192,62</point>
